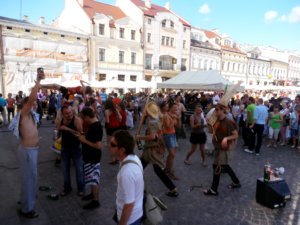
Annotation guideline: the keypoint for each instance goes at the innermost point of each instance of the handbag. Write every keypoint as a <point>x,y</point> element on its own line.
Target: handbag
<point>153,207</point>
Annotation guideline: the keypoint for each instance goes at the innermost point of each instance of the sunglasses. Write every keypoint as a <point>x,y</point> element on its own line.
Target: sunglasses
<point>113,145</point>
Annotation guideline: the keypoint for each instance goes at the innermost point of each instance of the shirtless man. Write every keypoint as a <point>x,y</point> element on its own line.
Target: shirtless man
<point>28,151</point>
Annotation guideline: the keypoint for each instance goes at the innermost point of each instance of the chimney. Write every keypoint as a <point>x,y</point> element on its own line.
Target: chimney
<point>42,20</point>
<point>25,18</point>
<point>148,4</point>
<point>168,5</point>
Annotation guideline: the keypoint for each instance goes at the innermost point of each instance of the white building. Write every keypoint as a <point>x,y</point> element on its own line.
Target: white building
<point>259,69</point>
<point>26,46</point>
<point>294,67</point>
<point>115,39</point>
<point>166,38</point>
<point>205,55</point>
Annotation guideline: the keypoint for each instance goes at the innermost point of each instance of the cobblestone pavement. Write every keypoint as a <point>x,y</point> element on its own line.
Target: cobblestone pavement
<point>231,207</point>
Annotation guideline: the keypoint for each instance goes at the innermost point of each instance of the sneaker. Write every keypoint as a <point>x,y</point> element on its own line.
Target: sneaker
<point>92,205</point>
<point>293,146</point>
<point>282,144</point>
<point>30,215</point>
<point>248,151</point>
<point>210,192</point>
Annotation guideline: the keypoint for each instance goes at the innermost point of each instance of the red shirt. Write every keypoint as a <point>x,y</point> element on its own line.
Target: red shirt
<point>117,101</point>
<point>10,102</point>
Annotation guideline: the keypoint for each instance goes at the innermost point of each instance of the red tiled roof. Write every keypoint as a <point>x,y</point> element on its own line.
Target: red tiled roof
<point>92,7</point>
<point>231,49</point>
<point>154,10</point>
<point>210,34</point>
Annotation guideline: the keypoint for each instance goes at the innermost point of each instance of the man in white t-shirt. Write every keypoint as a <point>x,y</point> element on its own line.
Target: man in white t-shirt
<point>130,190</point>
<point>216,98</point>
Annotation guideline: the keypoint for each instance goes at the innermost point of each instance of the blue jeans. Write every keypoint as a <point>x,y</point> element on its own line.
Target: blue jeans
<point>28,166</point>
<point>74,153</point>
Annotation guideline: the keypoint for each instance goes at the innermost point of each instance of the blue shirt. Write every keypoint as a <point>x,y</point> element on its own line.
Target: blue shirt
<point>2,102</point>
<point>261,114</point>
<point>103,97</point>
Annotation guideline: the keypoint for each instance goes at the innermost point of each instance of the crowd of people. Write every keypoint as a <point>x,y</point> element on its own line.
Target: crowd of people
<point>80,114</point>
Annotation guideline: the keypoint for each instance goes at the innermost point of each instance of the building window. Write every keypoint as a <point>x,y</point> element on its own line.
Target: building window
<point>163,40</point>
<point>184,29</point>
<point>183,64</point>
<point>101,76</point>
<point>167,41</point>
<point>133,77</point>
<point>148,61</point>
<point>101,54</point>
<point>149,37</point>
<point>163,23</point>
<point>217,41</point>
<point>9,28</point>
<point>133,57</point>
<point>121,77</point>
<point>122,31</point>
<point>172,42</point>
<point>101,29</point>
<point>121,56</point>
<point>149,21</point>
<point>27,30</point>
<point>172,24</point>
<point>132,34</point>
<point>184,44</point>
<point>165,62</point>
<point>62,36</point>
<point>45,33</point>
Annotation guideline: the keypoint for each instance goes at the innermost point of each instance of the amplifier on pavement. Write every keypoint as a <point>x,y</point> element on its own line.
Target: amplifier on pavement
<point>272,194</point>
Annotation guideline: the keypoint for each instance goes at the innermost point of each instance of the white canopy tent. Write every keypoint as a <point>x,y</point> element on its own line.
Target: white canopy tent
<point>198,80</point>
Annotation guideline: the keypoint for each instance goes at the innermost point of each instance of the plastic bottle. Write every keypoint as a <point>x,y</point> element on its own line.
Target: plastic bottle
<point>267,171</point>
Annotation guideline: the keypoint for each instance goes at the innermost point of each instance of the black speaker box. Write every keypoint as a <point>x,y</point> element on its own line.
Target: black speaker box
<point>272,194</point>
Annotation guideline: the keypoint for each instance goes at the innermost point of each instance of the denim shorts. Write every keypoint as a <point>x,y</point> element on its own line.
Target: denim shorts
<point>170,140</point>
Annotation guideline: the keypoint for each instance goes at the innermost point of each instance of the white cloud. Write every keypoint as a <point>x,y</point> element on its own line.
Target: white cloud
<point>283,18</point>
<point>204,9</point>
<point>270,16</point>
<point>294,15</point>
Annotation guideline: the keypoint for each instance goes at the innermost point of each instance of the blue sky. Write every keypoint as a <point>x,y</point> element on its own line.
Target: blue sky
<point>259,22</point>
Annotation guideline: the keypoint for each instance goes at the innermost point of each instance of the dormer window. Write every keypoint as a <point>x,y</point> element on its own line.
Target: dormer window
<point>171,24</point>
<point>163,23</point>
<point>122,31</point>
<point>101,29</point>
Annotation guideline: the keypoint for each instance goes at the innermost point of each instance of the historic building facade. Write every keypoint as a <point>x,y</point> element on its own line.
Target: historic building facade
<point>26,46</point>
<point>204,54</point>
<point>165,38</point>
<point>115,46</point>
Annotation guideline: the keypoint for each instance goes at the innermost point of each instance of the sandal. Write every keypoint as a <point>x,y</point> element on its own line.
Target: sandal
<point>30,215</point>
<point>187,162</point>
<point>44,188</point>
<point>210,192</point>
<point>233,185</point>
<point>64,193</point>
<point>172,194</point>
